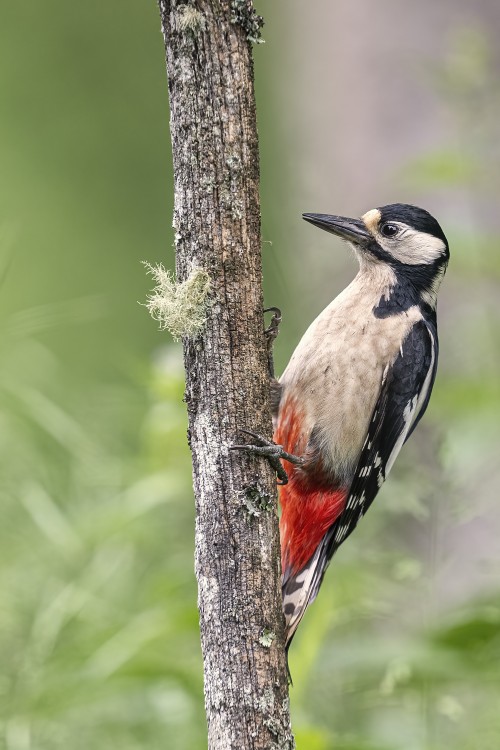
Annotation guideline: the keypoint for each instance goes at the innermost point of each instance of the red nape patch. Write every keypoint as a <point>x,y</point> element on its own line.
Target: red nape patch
<point>309,506</point>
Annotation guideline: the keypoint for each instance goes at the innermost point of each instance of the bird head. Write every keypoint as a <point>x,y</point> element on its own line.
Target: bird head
<point>404,237</point>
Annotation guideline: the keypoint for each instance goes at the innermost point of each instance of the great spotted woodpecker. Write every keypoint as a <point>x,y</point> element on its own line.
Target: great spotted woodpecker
<point>354,390</point>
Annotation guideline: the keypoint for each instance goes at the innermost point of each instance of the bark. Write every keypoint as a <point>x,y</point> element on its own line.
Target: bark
<point>217,225</point>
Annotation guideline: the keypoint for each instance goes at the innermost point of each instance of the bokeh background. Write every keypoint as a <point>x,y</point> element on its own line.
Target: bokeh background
<point>359,104</point>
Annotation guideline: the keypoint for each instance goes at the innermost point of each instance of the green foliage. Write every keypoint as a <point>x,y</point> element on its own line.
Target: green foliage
<point>441,169</point>
<point>99,641</point>
<point>98,634</point>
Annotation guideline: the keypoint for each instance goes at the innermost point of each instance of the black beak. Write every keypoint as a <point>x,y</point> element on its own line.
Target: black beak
<point>352,230</point>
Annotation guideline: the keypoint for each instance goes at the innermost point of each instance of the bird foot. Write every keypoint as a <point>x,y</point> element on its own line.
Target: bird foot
<point>270,333</point>
<point>270,450</point>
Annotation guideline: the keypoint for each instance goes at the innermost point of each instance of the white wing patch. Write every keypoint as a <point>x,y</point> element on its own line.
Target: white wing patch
<point>412,410</point>
<point>341,533</point>
<point>355,501</point>
<point>409,414</point>
<point>428,378</point>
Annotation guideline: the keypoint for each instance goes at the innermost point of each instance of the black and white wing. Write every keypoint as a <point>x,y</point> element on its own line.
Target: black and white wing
<point>404,395</point>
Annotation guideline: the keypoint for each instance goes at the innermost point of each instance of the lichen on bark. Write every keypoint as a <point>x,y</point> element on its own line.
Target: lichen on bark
<point>244,14</point>
<point>179,307</point>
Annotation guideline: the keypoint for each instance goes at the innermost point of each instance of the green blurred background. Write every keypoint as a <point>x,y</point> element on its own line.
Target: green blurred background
<point>358,106</point>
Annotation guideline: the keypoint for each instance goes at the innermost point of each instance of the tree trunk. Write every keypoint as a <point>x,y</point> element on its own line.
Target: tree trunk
<point>217,226</point>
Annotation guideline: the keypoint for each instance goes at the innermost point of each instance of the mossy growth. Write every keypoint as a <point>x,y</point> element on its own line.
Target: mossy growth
<point>190,19</point>
<point>244,14</point>
<point>266,638</point>
<point>255,501</point>
<point>179,307</point>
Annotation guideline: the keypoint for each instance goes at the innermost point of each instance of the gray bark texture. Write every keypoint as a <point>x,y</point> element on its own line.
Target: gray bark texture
<point>217,225</point>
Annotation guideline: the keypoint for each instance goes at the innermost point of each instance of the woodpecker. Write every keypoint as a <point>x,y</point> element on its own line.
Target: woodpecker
<point>354,390</point>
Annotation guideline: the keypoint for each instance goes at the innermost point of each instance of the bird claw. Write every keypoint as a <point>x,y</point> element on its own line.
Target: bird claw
<point>270,333</point>
<point>260,440</point>
<point>270,450</point>
<point>273,328</point>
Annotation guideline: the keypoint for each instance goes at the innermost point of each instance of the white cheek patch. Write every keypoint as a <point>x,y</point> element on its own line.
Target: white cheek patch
<point>412,247</point>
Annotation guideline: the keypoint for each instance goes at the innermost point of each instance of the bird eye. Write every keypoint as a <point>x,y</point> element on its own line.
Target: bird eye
<point>389,230</point>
